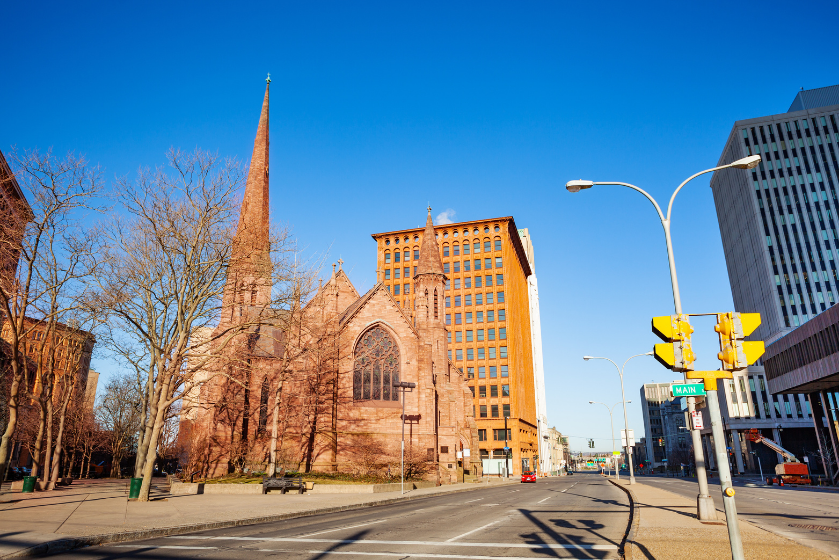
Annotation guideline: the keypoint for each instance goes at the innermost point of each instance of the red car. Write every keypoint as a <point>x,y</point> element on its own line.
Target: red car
<point>529,476</point>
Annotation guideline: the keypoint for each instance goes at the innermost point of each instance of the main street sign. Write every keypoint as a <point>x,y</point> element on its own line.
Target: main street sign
<point>688,390</point>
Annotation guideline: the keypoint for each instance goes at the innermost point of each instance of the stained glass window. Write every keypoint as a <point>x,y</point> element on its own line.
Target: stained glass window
<point>377,367</point>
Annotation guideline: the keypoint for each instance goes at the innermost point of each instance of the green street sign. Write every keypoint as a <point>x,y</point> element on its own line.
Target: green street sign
<point>688,390</point>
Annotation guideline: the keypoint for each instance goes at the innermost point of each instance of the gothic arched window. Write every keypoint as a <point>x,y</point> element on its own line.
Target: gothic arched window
<point>376,367</point>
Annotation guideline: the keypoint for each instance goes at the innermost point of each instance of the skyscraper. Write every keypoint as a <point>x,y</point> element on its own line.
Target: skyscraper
<point>487,313</point>
<point>778,222</point>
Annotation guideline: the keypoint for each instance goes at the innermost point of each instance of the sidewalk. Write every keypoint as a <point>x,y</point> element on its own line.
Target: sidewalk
<point>93,512</point>
<point>665,527</point>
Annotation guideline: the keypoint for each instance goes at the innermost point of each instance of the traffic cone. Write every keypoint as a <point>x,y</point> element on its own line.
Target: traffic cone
<point>781,482</point>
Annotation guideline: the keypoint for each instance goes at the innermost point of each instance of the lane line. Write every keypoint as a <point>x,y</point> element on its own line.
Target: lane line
<point>476,500</point>
<point>422,555</point>
<point>541,501</point>
<point>536,546</point>
<point>474,531</point>
<point>169,546</point>
<point>342,528</point>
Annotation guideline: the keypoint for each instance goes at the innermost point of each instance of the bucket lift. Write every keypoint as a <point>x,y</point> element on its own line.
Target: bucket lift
<point>792,471</point>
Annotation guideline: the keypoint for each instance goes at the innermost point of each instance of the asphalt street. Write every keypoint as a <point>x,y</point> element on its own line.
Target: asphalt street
<point>792,512</point>
<point>580,516</point>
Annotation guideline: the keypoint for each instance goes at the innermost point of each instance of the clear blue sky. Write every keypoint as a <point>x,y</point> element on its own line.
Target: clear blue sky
<point>486,109</point>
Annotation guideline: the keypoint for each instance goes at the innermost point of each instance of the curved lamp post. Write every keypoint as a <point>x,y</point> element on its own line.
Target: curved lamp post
<point>612,431</point>
<point>628,453</point>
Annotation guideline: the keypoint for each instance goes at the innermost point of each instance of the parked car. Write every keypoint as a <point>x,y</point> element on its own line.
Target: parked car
<point>529,476</point>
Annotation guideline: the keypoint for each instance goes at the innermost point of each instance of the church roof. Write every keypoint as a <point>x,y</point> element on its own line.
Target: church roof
<point>430,262</point>
<point>351,311</point>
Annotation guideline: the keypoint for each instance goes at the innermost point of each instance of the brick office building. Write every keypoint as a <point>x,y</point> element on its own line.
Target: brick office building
<point>337,407</point>
<point>488,324</point>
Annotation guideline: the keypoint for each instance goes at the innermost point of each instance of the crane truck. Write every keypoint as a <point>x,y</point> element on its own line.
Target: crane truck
<point>792,471</point>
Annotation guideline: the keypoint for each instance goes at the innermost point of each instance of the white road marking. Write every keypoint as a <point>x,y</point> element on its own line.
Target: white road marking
<point>540,546</point>
<point>476,500</point>
<point>422,555</point>
<point>341,528</point>
<point>172,546</point>
<point>473,531</point>
<point>544,499</point>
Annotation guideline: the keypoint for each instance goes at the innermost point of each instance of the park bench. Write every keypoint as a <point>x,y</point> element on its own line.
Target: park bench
<point>284,483</point>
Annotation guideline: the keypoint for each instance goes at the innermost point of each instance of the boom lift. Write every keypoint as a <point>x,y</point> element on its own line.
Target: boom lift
<point>792,471</point>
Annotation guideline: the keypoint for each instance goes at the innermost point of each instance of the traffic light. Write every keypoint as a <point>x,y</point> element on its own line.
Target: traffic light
<point>675,354</point>
<point>735,352</point>
<point>660,442</point>
<point>591,444</point>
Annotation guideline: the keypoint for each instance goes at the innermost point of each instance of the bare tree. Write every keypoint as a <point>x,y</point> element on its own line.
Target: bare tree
<point>118,412</point>
<point>171,250</point>
<point>55,254</point>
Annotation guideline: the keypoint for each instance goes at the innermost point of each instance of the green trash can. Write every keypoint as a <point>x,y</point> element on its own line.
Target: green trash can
<point>134,488</point>
<point>29,483</point>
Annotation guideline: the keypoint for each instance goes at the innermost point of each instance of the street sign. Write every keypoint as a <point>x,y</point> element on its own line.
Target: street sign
<point>688,390</point>
<point>507,449</point>
<point>616,453</point>
<point>466,452</point>
<point>628,442</point>
<point>696,420</point>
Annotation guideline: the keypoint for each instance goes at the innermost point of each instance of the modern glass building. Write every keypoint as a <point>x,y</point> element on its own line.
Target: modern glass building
<point>778,222</point>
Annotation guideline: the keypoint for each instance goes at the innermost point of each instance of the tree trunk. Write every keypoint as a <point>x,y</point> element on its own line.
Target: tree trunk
<point>143,441</point>
<point>151,456</point>
<point>6,440</point>
<point>58,440</point>
<point>87,471</point>
<point>272,467</point>
<point>48,449</point>
<point>39,441</point>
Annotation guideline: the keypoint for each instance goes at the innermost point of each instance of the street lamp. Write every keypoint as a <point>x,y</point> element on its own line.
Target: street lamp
<point>628,452</point>
<point>612,431</point>
<point>705,505</point>
<point>402,386</point>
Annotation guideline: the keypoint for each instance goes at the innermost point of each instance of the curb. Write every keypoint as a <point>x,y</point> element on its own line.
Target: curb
<point>632,523</point>
<point>59,546</point>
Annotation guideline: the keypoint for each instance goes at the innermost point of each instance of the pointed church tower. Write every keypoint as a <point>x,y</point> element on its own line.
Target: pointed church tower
<point>249,274</point>
<point>430,283</point>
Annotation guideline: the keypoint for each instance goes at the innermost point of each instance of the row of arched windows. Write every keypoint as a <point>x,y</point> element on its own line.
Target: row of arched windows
<point>476,247</point>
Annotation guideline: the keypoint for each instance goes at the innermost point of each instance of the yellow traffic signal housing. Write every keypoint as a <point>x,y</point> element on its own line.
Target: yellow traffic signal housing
<point>735,352</point>
<point>676,353</point>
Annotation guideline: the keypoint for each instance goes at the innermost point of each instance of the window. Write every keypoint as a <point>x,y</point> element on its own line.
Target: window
<point>489,298</point>
<point>457,283</point>
<point>387,274</point>
<point>482,435</point>
<point>481,353</point>
<point>388,288</point>
<point>487,246</point>
<point>470,372</point>
<point>498,243</point>
<point>466,265</point>
<point>503,333</point>
<point>498,262</point>
<point>478,279</point>
<point>415,271</point>
<point>491,334</point>
<point>406,255</point>
<point>505,390</point>
<point>468,282</point>
<point>477,247</point>
<point>506,411</point>
<point>456,266</point>
<point>503,351</point>
<point>397,256</point>
<point>499,434</point>
<point>458,336</point>
<point>407,272</point>
<point>488,280</point>
<point>481,372</point>
<point>396,273</point>
<point>477,264</point>
<point>494,410</point>
<point>501,314</point>
<point>457,318</point>
<point>449,336</point>
<point>376,366</point>
<point>447,301</point>
<point>492,372</point>
<point>446,268</point>
<point>459,355</point>
<point>448,319</point>
<point>416,254</point>
<point>470,355</point>
<point>490,316</point>
<point>467,300</point>
<point>457,301</point>
<point>479,316</point>
<point>469,336</point>
<point>466,247</point>
<point>492,351</point>
<point>436,305</point>
<point>479,299</point>
<point>406,289</point>
<point>488,264</point>
<point>504,371</point>
<point>482,392</point>
<point>387,257</point>
<point>396,289</point>
<point>472,390</point>
<point>456,250</point>
<point>479,335</point>
<point>482,411</point>
<point>469,317</point>
<point>500,280</point>
<point>446,250</point>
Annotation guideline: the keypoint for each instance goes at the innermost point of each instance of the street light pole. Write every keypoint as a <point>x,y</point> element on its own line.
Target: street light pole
<point>612,431</point>
<point>628,451</point>
<point>402,386</point>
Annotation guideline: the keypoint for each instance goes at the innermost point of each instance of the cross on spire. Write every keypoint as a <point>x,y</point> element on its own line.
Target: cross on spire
<point>340,263</point>
<point>268,79</point>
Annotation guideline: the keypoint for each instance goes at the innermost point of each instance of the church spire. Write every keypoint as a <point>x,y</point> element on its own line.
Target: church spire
<point>430,262</point>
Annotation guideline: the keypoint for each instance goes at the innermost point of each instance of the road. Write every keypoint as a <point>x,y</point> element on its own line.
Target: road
<point>580,516</point>
<point>775,509</point>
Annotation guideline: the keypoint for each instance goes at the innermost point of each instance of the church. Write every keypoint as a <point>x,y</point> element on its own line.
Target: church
<point>313,389</point>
